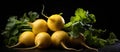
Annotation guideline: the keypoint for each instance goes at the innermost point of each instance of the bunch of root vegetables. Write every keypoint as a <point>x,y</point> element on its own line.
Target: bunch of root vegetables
<point>40,37</point>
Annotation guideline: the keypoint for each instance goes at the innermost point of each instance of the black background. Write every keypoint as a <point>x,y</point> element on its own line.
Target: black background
<point>106,12</point>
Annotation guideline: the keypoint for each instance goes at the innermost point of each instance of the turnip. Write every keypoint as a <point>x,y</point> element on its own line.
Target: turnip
<point>39,25</point>
<point>59,38</point>
<point>42,40</point>
<point>55,22</point>
<point>80,41</point>
<point>26,38</point>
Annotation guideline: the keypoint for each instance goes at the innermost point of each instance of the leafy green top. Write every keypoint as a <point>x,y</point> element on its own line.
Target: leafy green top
<point>82,23</point>
<point>16,26</point>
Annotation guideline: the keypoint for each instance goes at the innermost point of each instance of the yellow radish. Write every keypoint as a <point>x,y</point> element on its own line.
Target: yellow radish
<point>26,38</point>
<point>55,22</point>
<point>59,38</point>
<point>39,25</point>
<point>43,40</point>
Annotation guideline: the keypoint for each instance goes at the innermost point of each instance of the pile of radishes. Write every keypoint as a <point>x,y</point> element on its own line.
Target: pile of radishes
<point>40,38</point>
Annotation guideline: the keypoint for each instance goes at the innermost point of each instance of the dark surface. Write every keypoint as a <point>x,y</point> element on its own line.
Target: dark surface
<point>109,48</point>
<point>106,13</point>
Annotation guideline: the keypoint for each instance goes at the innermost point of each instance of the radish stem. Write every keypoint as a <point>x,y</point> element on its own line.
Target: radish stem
<point>43,13</point>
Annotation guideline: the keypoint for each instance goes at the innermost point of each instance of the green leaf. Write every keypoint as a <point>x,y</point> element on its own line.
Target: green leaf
<point>11,23</point>
<point>82,16</point>
<point>92,18</point>
<point>13,40</point>
<point>24,18</point>
<point>76,28</point>
<point>33,15</point>
<point>75,18</point>
<point>14,32</point>
<point>112,38</point>
<point>81,13</point>
<point>68,25</point>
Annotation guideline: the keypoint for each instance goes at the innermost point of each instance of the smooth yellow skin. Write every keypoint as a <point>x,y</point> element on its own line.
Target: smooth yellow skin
<point>58,37</point>
<point>27,38</point>
<point>55,22</point>
<point>43,39</point>
<point>39,25</point>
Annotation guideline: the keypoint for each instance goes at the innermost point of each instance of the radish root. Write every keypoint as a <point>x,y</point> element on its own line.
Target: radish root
<point>89,47</point>
<point>14,45</point>
<point>65,47</point>
<point>27,48</point>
